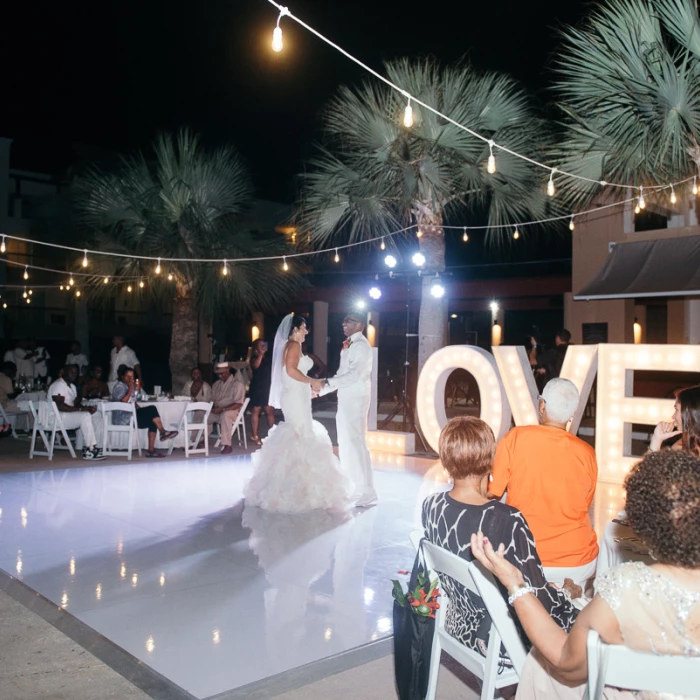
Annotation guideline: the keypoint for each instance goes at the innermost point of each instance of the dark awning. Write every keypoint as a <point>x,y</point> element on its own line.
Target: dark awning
<point>665,267</point>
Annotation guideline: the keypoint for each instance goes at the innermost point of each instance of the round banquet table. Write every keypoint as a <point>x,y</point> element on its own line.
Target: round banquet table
<point>171,413</point>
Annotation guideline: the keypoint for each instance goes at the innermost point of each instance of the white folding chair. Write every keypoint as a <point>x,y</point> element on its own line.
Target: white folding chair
<point>474,577</point>
<point>189,423</point>
<point>11,419</point>
<point>47,418</point>
<point>238,426</point>
<point>622,667</point>
<point>130,429</point>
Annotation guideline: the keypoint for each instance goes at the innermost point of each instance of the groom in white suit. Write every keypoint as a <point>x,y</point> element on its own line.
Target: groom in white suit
<point>353,382</point>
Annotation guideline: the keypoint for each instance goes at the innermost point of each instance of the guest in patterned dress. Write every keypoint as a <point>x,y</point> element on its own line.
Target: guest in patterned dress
<point>647,608</point>
<point>467,447</point>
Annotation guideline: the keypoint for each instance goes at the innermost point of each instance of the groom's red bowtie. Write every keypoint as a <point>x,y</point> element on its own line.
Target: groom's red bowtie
<point>347,343</point>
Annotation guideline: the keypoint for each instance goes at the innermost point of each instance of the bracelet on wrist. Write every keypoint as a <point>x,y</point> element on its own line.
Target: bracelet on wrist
<point>517,591</point>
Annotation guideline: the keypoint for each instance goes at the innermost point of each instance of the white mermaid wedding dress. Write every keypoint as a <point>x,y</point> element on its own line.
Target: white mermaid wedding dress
<point>296,470</point>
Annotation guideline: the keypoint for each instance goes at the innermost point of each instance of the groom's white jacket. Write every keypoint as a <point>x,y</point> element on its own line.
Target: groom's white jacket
<point>354,376</point>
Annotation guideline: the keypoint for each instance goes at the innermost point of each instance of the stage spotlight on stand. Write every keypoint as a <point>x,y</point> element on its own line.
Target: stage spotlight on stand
<point>390,261</point>
<point>494,307</point>
<point>375,293</point>
<point>418,259</point>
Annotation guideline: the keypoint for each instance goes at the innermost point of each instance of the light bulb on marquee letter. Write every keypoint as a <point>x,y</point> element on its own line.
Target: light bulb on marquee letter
<point>430,397</point>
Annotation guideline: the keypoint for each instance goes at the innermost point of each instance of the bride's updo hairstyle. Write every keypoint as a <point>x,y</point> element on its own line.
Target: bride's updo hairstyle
<point>297,322</point>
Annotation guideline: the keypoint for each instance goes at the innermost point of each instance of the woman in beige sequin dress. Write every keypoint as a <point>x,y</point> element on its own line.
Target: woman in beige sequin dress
<point>647,608</point>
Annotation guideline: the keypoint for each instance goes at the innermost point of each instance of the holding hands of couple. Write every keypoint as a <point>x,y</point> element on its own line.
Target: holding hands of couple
<point>316,386</point>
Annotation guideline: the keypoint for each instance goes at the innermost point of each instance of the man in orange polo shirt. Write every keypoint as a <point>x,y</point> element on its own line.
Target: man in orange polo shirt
<point>550,476</point>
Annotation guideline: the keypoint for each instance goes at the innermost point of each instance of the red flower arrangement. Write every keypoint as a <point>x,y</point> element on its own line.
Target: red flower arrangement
<point>422,599</point>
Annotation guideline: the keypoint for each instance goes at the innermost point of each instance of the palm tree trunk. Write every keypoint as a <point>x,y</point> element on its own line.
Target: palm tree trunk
<point>432,319</point>
<point>184,341</point>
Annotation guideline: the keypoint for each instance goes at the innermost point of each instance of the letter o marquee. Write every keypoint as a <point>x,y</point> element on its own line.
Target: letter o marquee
<point>430,396</point>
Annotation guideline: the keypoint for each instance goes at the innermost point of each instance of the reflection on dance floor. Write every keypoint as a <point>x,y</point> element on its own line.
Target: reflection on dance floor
<point>167,562</point>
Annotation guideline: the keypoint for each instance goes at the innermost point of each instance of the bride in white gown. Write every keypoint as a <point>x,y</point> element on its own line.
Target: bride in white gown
<point>295,470</point>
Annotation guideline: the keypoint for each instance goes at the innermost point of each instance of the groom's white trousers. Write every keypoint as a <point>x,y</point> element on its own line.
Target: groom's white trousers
<point>351,424</point>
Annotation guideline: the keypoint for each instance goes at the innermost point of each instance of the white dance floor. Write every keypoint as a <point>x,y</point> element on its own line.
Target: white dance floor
<point>165,562</point>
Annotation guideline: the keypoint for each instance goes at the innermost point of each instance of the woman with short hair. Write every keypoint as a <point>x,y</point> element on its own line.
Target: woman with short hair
<point>467,447</point>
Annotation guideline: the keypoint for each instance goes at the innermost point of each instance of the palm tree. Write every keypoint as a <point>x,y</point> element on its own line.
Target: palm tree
<point>629,89</point>
<point>186,203</point>
<point>373,175</point>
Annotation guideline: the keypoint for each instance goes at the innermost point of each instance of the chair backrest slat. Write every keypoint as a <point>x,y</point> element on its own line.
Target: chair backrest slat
<point>619,666</point>
<point>473,576</point>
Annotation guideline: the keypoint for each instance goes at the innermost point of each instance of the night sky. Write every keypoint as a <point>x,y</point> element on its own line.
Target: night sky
<point>113,74</point>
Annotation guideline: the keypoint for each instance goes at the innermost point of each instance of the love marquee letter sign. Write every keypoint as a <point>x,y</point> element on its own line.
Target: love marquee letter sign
<point>508,390</point>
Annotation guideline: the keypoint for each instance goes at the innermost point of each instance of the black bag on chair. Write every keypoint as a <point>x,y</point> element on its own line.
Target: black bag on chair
<point>413,638</point>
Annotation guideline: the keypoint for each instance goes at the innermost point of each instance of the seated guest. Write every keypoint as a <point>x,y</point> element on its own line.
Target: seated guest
<point>146,416</point>
<point>64,393</point>
<point>467,448</point>
<point>646,608</point>
<point>197,389</point>
<point>77,357</point>
<point>550,476</point>
<point>8,370</point>
<point>95,387</point>
<point>228,396</point>
<point>682,432</point>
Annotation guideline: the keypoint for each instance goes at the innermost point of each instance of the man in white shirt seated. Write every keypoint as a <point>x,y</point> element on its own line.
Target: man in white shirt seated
<point>77,357</point>
<point>64,393</point>
<point>122,354</point>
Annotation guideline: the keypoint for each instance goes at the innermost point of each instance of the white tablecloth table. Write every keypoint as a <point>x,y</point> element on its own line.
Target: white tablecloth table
<point>171,413</point>
<point>23,405</point>
<point>619,545</point>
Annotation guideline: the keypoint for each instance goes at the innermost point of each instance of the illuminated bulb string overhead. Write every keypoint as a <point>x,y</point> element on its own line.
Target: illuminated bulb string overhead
<point>491,166</point>
<point>3,247</point>
<point>85,260</point>
<point>277,43</point>
<point>337,257</point>
<point>550,184</point>
<point>673,197</point>
<point>408,115</point>
<point>465,235</point>
<point>224,271</point>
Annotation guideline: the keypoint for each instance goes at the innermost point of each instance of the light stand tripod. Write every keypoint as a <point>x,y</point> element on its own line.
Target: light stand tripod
<point>403,405</point>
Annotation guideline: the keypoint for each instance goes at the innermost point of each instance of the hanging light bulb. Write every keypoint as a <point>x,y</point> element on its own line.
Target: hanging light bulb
<point>85,260</point>
<point>465,235</point>
<point>642,203</point>
<point>4,305</point>
<point>24,294</point>
<point>61,287</point>
<point>491,167</point>
<point>285,267</point>
<point>106,280</point>
<point>170,277</point>
<point>71,281</point>
<point>142,284</point>
<point>337,257</point>
<point>3,247</point>
<point>673,197</point>
<point>31,291</point>
<point>382,245</point>
<point>29,301</point>
<point>419,233</point>
<point>77,292</point>
<point>277,44</point>
<point>158,267</point>
<point>408,115</point>
<point>128,289</point>
<point>224,271</point>
<point>637,209</point>
<point>516,233</point>
<point>550,184</point>
<point>695,185</point>
<point>572,226</point>
<point>26,272</point>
